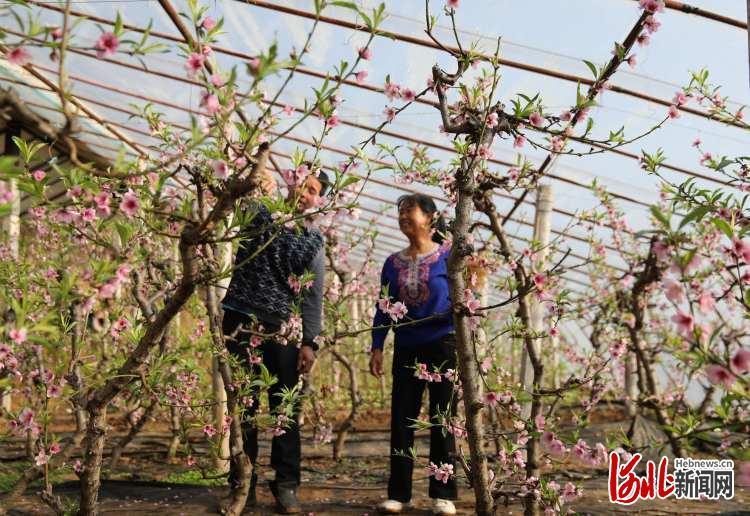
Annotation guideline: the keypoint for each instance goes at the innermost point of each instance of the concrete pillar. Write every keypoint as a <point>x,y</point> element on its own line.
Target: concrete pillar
<point>542,225</point>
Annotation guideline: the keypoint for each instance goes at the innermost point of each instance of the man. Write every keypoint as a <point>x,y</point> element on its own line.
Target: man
<point>260,289</point>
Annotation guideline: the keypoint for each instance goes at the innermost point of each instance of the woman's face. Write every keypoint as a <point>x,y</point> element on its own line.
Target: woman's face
<point>414,222</point>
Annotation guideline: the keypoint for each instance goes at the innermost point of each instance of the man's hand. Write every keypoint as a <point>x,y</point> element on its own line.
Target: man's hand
<point>305,359</point>
<point>376,362</point>
<point>268,183</point>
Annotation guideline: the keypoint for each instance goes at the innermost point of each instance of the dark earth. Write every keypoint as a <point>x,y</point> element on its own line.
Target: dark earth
<point>145,482</point>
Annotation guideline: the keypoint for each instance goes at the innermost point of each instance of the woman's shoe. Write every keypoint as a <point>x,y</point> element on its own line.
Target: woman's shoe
<point>391,507</point>
<point>440,506</point>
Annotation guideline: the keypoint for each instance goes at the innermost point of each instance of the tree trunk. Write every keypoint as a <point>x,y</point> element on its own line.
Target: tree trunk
<point>355,399</point>
<point>468,370</point>
<point>238,494</point>
<point>91,477</point>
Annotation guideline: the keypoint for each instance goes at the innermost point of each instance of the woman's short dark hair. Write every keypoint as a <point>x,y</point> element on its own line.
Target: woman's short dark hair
<point>427,205</point>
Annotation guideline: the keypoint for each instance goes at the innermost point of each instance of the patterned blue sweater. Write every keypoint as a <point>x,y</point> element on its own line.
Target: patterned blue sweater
<point>420,283</point>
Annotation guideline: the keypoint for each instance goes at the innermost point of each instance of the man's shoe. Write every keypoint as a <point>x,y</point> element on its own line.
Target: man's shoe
<point>440,506</point>
<point>286,498</point>
<point>391,507</point>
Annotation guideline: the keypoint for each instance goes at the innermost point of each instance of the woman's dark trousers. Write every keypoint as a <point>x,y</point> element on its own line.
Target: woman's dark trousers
<point>406,401</point>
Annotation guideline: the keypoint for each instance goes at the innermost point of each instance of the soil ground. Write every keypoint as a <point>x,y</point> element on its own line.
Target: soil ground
<point>146,483</point>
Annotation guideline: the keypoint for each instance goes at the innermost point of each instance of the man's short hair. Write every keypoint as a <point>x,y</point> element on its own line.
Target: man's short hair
<point>322,177</point>
<point>325,183</point>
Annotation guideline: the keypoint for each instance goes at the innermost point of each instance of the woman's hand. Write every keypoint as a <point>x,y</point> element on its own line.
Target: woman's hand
<point>376,362</point>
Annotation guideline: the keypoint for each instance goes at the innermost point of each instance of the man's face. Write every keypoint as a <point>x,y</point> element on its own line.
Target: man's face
<point>307,194</point>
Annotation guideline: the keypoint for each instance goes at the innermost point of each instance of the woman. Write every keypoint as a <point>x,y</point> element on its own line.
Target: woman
<point>417,277</point>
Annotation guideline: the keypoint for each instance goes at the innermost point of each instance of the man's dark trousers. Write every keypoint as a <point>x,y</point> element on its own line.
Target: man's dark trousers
<point>281,362</point>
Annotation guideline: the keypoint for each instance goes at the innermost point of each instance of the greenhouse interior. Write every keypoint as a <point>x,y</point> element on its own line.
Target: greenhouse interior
<point>374,257</point>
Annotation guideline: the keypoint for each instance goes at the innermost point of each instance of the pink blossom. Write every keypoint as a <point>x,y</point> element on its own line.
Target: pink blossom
<point>539,421</point>
<point>741,361</point>
<point>41,458</point>
<point>685,322</point>
<point>673,291</point>
<point>18,335</point>
<point>652,6</point>
<point>673,112</point>
<point>484,152</point>
<point>442,473</point>
<point>408,95</point>
<point>194,64</point>
<point>472,303</point>
<point>486,364</point>
<point>361,76</point>
<point>697,142</point>
<point>651,24</point>
<point>332,121</point>
<point>217,80</point>
<point>570,492</point>
<point>554,445</point>
<point>680,99</point>
<point>491,398</point>
<point>106,45</point>
<point>210,103</point>
<point>26,418</point>
<point>208,23</point>
<point>54,391</point>
<point>519,141</point>
<point>741,249</point>
<point>558,143</point>
<point>56,33</point>
<point>392,91</point>
<point>661,250</point>
<point>54,449</point>
<point>123,271</point>
<point>88,214</point>
<point>397,310</point>
<point>643,39</point>
<point>632,61</point>
<point>452,3</point>
<point>254,65</point>
<point>706,302</point>
<point>297,176</point>
<point>38,175</point>
<point>18,56</point>
<point>130,204</point>
<point>390,113</point>
<point>536,119</point>
<point>365,53</point>
<point>719,375</point>
<point>492,120</point>
<point>288,110</point>
<point>220,168</point>
<point>209,430</point>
